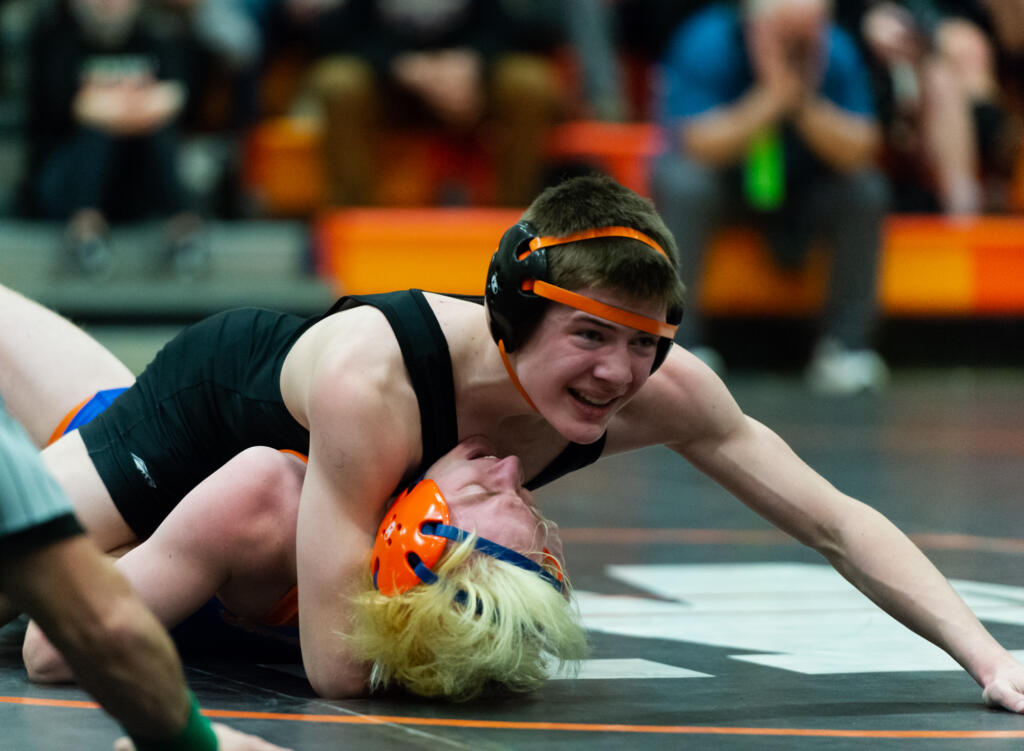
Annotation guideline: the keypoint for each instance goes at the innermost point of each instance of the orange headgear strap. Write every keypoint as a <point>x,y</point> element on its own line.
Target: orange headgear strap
<point>589,234</point>
<point>600,309</point>
<point>586,304</point>
<point>514,378</point>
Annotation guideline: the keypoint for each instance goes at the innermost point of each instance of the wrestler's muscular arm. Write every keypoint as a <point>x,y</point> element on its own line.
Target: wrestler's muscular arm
<point>757,466</point>
<point>364,433</point>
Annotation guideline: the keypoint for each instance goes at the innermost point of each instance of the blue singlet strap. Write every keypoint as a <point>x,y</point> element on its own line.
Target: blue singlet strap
<point>493,549</point>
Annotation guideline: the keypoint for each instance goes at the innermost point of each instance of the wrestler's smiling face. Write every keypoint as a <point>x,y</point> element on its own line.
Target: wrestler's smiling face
<point>580,369</point>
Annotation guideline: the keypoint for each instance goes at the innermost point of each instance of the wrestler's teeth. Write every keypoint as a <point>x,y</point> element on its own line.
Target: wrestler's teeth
<point>591,402</point>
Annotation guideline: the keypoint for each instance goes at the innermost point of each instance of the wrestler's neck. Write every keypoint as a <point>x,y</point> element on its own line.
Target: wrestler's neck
<point>487,401</point>
<point>486,385</point>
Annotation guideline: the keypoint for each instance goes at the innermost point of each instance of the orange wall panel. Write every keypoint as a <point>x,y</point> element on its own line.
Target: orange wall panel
<point>930,266</point>
<point>376,250</point>
<point>926,268</point>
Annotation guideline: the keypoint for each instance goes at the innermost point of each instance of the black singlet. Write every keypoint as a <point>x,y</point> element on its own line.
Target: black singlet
<point>214,390</point>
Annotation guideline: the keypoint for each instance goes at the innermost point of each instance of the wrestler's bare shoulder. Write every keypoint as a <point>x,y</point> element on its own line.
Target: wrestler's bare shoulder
<point>458,317</point>
<point>353,347</point>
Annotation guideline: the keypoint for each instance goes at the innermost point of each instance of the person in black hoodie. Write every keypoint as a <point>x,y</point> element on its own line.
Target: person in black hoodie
<point>105,92</point>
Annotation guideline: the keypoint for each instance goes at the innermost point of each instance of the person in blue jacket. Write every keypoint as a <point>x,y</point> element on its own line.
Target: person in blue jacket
<point>768,118</point>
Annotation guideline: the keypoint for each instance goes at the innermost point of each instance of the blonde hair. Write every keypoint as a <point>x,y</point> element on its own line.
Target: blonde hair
<point>484,624</point>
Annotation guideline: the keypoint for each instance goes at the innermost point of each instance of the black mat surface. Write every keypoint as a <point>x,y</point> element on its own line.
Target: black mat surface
<point>708,629</point>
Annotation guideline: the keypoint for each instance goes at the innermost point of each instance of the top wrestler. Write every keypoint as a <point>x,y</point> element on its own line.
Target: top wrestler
<point>382,385</point>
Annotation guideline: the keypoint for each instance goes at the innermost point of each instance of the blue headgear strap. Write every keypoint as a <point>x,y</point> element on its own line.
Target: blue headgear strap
<point>487,547</point>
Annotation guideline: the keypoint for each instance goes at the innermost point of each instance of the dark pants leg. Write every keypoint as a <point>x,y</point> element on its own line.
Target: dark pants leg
<point>849,210</point>
<point>147,181</point>
<point>694,200</point>
<point>122,177</point>
<point>76,175</point>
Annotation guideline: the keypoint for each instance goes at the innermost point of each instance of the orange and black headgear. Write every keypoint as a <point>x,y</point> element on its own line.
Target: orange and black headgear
<point>518,288</point>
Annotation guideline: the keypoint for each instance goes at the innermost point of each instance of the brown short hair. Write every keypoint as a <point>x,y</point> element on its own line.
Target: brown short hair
<point>618,264</point>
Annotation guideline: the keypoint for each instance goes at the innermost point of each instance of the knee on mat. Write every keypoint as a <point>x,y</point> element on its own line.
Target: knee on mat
<point>43,663</point>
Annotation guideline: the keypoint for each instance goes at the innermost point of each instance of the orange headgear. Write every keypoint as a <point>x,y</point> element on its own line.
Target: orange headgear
<point>412,538</point>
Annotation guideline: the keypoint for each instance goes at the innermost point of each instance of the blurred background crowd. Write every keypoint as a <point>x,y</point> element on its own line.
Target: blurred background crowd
<point>116,110</point>
<point>152,110</point>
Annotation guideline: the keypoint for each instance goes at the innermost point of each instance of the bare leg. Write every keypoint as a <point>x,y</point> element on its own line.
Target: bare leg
<point>961,77</point>
<point>949,140</point>
<point>48,365</point>
<point>68,461</point>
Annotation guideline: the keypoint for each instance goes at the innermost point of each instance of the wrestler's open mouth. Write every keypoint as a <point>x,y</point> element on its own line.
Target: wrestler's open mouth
<point>590,402</point>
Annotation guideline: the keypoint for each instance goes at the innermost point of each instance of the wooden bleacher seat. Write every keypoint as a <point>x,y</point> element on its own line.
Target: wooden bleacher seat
<point>283,163</point>
<point>375,250</point>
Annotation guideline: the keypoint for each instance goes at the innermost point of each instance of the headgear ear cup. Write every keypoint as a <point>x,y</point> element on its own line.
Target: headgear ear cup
<point>514,311</point>
<point>673,316</point>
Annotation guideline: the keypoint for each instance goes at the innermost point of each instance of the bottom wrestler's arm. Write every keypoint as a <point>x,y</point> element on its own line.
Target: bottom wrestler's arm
<point>233,536</point>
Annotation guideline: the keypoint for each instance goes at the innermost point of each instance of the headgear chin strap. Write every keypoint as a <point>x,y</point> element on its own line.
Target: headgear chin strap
<point>517,280</point>
<point>412,538</point>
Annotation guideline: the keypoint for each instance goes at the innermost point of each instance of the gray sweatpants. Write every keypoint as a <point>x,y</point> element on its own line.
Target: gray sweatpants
<point>846,210</point>
<point>31,503</point>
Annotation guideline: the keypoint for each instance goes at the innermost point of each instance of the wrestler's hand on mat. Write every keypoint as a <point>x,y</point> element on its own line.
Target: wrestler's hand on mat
<point>1006,689</point>
<point>228,739</point>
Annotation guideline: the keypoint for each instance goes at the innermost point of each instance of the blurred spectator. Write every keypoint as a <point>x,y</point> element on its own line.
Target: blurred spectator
<point>769,121</point>
<point>225,50</point>
<point>105,95</point>
<point>1006,16</point>
<point>225,42</point>
<point>590,30</point>
<point>940,103</point>
<point>465,67</point>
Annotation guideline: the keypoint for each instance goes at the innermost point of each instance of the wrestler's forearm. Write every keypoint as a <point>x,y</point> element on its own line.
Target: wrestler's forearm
<point>887,567</point>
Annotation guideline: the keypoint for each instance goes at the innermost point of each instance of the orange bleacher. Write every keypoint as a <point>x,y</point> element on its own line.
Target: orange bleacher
<point>283,165</point>
<point>930,266</point>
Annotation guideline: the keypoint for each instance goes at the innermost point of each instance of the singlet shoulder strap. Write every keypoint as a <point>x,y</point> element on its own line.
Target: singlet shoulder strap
<point>429,363</point>
<point>574,456</point>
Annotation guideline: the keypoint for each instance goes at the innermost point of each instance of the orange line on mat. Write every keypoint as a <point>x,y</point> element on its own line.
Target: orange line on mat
<point>579,727</point>
<point>34,702</point>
